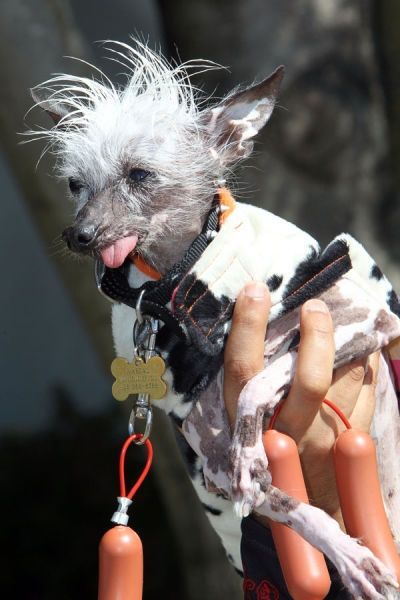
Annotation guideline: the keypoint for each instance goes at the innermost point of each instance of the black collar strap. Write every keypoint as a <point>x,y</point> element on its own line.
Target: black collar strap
<point>113,283</point>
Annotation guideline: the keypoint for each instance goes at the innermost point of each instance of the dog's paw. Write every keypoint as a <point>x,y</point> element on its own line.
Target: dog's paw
<point>246,501</point>
<point>249,479</point>
<point>364,575</point>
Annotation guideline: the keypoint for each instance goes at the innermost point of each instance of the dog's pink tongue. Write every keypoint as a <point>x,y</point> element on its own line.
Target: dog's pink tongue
<point>113,256</point>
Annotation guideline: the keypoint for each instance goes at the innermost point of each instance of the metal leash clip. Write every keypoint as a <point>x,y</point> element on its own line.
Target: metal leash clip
<point>144,339</point>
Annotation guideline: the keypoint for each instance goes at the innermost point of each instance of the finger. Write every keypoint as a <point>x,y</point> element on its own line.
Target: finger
<point>314,368</point>
<point>244,351</point>
<point>346,385</point>
<point>362,414</point>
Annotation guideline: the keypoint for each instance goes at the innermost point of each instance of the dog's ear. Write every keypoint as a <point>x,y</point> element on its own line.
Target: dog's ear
<point>232,124</point>
<point>55,110</point>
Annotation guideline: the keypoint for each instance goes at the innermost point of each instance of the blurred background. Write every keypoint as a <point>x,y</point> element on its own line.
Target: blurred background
<point>329,161</point>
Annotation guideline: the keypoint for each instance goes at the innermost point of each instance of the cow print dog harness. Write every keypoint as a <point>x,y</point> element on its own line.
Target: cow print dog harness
<point>195,301</point>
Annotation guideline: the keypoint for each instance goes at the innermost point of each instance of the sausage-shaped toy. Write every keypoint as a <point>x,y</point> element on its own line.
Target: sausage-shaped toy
<point>303,567</point>
<point>121,565</point>
<point>358,486</point>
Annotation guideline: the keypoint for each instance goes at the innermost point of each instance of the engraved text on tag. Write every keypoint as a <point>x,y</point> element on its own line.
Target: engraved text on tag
<point>138,377</point>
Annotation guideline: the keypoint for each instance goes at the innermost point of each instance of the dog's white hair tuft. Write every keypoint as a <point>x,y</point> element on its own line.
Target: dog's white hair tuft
<point>166,88</point>
<point>158,95</point>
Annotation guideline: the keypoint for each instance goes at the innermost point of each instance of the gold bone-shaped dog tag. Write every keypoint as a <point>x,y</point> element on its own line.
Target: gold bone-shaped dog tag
<point>138,377</point>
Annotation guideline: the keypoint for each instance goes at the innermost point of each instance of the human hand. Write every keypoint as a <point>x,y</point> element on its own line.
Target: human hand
<point>313,426</point>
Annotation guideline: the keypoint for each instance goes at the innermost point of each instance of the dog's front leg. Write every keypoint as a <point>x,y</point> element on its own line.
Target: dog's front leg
<point>249,473</point>
<point>362,573</point>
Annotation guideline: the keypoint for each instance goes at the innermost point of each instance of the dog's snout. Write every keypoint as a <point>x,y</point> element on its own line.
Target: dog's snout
<point>80,237</point>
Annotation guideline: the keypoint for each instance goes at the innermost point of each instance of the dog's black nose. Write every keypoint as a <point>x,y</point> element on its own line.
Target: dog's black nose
<point>80,237</point>
<point>85,235</point>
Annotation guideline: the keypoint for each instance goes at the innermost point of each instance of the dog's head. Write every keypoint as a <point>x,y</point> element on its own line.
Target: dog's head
<point>144,161</point>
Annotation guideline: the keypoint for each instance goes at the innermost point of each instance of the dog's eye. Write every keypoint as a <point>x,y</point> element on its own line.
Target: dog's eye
<point>136,175</point>
<point>75,185</point>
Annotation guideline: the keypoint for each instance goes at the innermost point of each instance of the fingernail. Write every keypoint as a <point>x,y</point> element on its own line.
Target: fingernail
<point>255,289</point>
<point>315,305</point>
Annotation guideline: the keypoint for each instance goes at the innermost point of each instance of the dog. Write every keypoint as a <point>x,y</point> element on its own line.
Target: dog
<point>146,166</point>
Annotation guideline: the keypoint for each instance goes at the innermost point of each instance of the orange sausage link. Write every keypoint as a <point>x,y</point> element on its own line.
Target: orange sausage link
<point>358,486</point>
<point>121,565</point>
<point>303,567</point>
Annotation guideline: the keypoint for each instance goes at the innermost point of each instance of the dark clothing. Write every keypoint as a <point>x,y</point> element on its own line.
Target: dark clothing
<point>263,578</point>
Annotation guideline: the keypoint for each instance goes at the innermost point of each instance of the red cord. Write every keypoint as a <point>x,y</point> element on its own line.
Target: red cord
<point>134,489</point>
<point>339,413</point>
<point>333,406</point>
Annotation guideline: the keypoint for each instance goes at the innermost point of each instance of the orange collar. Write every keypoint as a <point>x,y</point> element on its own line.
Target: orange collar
<point>227,205</point>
